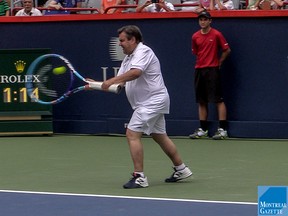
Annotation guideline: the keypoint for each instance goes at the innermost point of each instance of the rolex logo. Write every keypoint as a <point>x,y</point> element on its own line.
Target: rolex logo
<point>20,66</point>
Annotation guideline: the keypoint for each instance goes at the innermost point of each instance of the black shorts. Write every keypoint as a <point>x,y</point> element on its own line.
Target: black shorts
<point>208,85</point>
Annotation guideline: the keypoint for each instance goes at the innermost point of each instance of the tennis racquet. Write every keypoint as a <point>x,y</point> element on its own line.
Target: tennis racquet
<point>50,80</point>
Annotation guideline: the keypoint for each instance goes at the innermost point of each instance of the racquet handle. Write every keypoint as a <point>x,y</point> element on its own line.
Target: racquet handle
<point>115,88</point>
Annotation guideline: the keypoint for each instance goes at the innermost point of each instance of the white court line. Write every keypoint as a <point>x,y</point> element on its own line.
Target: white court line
<point>127,197</point>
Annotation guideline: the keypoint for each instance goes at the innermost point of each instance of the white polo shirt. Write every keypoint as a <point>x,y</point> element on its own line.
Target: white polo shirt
<point>34,12</point>
<point>147,91</point>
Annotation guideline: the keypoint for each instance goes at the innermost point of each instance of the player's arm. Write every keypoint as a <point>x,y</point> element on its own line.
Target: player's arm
<point>194,46</point>
<point>132,74</point>
<point>224,55</point>
<point>225,48</point>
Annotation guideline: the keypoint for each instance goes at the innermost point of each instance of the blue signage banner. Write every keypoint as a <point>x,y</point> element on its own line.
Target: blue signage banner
<point>272,200</point>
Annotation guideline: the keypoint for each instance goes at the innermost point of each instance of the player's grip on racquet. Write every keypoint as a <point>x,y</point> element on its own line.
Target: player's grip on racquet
<point>51,80</point>
<point>96,85</point>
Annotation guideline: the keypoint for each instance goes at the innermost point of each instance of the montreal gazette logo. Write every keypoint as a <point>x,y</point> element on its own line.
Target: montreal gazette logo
<point>272,200</point>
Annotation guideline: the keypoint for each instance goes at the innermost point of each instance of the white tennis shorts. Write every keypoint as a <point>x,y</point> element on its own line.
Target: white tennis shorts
<point>144,121</point>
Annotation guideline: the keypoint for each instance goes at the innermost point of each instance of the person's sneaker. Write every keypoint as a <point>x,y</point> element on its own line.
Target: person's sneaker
<point>199,133</point>
<point>179,175</point>
<point>136,182</point>
<point>220,134</point>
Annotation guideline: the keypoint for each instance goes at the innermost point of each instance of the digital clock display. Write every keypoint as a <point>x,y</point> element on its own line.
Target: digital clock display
<point>20,95</point>
<point>13,68</point>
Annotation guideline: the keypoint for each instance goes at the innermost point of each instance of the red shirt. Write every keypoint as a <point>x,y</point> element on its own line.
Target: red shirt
<point>206,48</point>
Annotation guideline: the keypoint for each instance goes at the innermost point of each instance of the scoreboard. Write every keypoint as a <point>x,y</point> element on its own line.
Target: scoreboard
<point>18,113</point>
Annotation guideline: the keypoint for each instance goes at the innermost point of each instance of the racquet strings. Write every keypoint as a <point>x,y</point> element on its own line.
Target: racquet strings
<point>54,79</point>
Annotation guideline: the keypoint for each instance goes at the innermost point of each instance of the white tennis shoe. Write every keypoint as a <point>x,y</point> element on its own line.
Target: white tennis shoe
<point>178,175</point>
<point>136,182</point>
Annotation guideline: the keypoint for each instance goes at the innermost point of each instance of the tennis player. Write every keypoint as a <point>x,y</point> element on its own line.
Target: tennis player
<point>145,89</point>
<point>207,43</point>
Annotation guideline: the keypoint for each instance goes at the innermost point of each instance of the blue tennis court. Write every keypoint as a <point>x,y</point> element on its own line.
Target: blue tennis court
<point>16,203</point>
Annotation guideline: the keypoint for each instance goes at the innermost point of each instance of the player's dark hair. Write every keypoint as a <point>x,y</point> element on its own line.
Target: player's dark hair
<point>131,31</point>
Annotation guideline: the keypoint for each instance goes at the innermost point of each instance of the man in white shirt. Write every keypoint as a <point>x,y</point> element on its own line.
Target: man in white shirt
<point>28,9</point>
<point>140,72</point>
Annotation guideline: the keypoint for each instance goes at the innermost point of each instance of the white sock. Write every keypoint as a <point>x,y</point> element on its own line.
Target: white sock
<point>140,173</point>
<point>180,167</point>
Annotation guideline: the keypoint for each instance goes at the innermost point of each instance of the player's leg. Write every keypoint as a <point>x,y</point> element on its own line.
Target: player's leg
<point>222,112</point>
<point>181,171</point>
<point>138,179</point>
<point>222,115</point>
<point>201,98</point>
<point>202,131</point>
<point>203,111</point>
<point>168,147</point>
<point>134,133</point>
<point>136,149</point>
<point>216,96</point>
